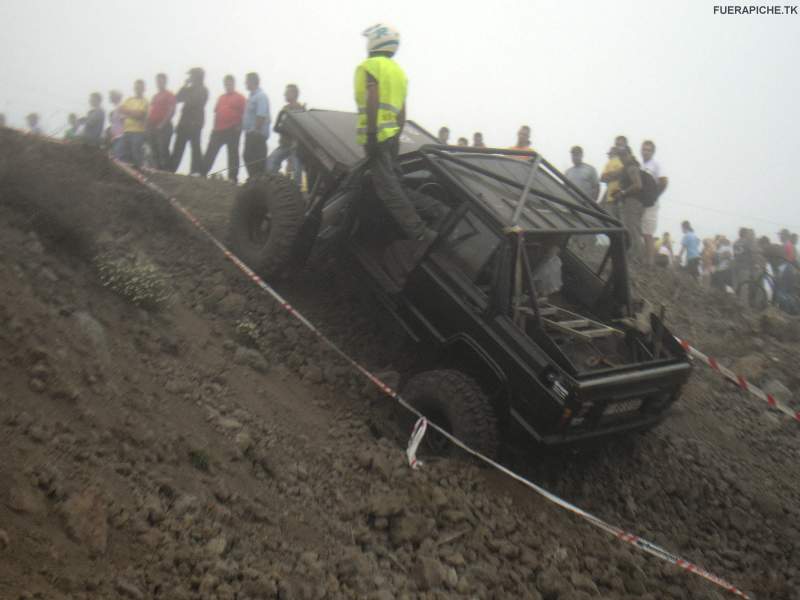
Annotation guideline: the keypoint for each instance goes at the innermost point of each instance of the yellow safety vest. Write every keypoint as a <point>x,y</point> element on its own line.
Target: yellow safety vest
<point>392,86</point>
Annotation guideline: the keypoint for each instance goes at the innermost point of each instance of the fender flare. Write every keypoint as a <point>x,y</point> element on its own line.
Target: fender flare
<point>490,377</point>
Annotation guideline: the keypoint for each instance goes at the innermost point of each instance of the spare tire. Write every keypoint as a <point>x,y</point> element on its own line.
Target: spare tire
<point>265,221</point>
<point>458,405</point>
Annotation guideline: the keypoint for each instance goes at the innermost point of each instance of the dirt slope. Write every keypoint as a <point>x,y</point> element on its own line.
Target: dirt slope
<point>210,448</point>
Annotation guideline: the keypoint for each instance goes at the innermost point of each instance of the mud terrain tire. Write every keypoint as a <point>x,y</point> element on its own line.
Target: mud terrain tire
<point>456,403</point>
<point>265,221</point>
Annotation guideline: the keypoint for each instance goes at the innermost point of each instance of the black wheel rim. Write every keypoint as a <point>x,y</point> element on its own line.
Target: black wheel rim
<point>260,228</point>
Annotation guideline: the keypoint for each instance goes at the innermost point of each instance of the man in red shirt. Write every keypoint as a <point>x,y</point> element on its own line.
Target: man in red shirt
<point>788,247</point>
<point>159,123</point>
<point>227,128</point>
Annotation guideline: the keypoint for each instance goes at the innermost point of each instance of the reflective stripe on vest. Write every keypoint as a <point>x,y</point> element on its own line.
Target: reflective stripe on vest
<point>381,106</point>
<point>382,126</point>
<point>392,85</point>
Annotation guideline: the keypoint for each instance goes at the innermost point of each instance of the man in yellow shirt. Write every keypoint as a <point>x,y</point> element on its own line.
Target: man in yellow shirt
<point>134,112</point>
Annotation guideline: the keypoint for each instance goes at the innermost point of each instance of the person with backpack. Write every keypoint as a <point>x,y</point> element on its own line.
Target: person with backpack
<point>637,191</point>
<point>650,215</point>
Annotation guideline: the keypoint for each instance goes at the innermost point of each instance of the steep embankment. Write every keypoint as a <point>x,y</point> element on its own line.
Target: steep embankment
<point>170,433</point>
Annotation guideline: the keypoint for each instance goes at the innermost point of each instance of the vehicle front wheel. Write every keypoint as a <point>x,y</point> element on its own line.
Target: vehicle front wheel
<point>265,222</point>
<point>457,404</point>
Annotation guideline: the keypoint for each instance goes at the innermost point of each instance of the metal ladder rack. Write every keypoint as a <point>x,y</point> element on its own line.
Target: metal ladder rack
<point>574,324</point>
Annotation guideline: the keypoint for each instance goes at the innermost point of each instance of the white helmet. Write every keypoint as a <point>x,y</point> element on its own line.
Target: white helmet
<point>382,38</point>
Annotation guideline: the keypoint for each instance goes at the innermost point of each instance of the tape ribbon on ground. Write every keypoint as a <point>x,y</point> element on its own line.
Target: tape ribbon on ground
<point>420,427</point>
<point>739,380</point>
<point>423,423</point>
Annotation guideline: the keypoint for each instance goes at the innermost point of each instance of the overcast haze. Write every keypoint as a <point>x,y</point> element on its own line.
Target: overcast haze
<point>718,94</point>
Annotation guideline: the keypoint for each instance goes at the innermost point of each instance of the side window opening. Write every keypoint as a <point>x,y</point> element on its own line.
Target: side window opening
<point>472,247</point>
<point>593,251</point>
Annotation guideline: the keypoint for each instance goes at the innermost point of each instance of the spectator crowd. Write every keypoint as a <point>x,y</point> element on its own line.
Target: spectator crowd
<point>140,131</point>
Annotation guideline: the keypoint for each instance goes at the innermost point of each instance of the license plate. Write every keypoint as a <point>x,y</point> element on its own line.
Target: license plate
<point>625,406</point>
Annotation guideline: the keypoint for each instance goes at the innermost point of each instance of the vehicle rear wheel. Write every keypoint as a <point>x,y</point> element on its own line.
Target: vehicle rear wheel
<point>457,404</point>
<point>265,221</point>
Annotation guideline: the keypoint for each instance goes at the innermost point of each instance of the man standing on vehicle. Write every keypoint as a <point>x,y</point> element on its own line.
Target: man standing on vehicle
<point>380,92</point>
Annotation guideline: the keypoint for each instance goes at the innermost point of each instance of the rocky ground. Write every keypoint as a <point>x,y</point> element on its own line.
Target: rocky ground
<point>168,432</point>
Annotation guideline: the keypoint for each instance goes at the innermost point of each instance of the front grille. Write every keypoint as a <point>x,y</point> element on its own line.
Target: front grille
<point>625,406</point>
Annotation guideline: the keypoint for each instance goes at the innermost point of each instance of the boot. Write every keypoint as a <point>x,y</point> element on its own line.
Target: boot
<point>402,256</point>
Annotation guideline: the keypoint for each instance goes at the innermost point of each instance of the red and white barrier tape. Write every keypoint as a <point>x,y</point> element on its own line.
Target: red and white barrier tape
<point>420,427</point>
<point>739,380</point>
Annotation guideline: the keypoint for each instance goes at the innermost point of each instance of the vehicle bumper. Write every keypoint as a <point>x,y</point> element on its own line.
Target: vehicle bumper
<point>614,403</point>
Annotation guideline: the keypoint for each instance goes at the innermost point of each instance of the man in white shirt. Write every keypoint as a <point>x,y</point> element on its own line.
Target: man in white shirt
<point>547,278</point>
<point>650,215</point>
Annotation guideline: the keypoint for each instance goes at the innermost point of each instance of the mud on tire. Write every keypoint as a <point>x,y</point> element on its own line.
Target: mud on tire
<point>265,222</point>
<point>455,402</point>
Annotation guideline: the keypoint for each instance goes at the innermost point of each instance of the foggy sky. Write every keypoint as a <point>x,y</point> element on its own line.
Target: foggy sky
<point>717,94</point>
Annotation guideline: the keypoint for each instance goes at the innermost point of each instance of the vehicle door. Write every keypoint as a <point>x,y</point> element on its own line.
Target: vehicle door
<point>451,287</point>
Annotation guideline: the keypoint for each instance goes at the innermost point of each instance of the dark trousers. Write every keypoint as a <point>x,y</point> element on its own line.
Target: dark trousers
<point>133,147</point>
<point>225,137</point>
<point>719,279</point>
<point>693,267</point>
<point>181,138</point>
<point>382,165</point>
<point>159,140</point>
<point>255,154</point>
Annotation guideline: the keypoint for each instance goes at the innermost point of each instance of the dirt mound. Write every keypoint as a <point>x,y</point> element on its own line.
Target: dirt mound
<point>207,446</point>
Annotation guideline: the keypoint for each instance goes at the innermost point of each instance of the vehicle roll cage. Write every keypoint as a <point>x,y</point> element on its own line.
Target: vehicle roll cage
<point>437,158</point>
<point>574,215</point>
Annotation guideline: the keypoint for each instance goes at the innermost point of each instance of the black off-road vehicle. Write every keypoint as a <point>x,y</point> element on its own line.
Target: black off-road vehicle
<point>521,306</point>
